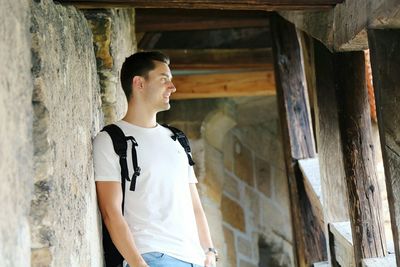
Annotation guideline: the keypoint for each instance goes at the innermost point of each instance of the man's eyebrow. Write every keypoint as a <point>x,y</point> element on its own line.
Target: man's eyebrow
<point>166,75</point>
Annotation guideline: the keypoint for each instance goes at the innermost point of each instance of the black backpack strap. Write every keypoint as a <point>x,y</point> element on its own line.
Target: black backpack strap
<point>183,140</point>
<point>136,168</point>
<point>120,147</point>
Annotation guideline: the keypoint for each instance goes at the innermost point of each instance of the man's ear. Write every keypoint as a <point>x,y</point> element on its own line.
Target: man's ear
<point>137,83</point>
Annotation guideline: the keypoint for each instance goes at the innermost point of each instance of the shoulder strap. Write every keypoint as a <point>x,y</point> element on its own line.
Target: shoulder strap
<point>120,147</point>
<point>183,140</point>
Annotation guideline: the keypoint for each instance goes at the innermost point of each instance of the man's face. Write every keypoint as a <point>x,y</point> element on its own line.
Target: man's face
<point>158,87</point>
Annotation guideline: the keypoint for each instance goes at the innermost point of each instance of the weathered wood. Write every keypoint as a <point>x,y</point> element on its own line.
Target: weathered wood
<point>160,20</point>
<point>330,153</point>
<point>342,243</point>
<point>221,59</point>
<point>344,27</point>
<point>297,139</point>
<point>224,85</point>
<point>358,156</point>
<point>270,5</point>
<point>385,59</point>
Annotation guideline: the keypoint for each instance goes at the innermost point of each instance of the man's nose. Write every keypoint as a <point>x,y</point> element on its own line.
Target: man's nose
<point>172,87</point>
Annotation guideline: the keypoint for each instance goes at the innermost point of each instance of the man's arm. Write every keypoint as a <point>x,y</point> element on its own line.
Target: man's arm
<point>109,196</point>
<point>202,225</point>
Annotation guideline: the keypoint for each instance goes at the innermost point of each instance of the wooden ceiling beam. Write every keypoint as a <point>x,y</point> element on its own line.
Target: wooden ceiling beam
<point>224,85</point>
<point>220,59</point>
<point>159,20</point>
<point>268,5</point>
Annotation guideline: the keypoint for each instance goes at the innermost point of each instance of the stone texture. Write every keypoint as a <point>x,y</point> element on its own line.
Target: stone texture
<point>114,39</point>
<point>251,202</point>
<point>228,152</point>
<point>233,213</point>
<point>246,264</point>
<point>217,124</point>
<point>263,176</point>
<point>65,229</point>
<point>243,164</point>
<point>276,219</point>
<point>214,174</point>
<point>281,190</point>
<point>231,186</point>
<point>16,164</point>
<point>244,247</point>
<point>231,247</point>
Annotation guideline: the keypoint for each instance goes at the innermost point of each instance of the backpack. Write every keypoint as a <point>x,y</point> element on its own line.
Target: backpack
<point>120,143</point>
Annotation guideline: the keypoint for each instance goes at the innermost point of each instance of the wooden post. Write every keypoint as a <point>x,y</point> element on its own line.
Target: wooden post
<point>298,140</point>
<point>330,155</point>
<point>385,60</point>
<point>362,185</point>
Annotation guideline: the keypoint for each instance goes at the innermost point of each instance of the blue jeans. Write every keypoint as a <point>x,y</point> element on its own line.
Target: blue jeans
<point>157,259</point>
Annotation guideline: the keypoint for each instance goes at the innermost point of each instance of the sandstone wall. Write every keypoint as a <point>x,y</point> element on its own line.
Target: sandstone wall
<point>16,163</point>
<point>66,102</point>
<point>242,181</point>
<point>114,39</point>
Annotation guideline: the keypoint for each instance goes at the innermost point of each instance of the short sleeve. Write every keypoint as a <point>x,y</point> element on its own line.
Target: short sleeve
<point>192,176</point>
<point>105,160</point>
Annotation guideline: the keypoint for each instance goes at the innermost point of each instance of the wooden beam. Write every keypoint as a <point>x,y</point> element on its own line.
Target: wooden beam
<point>221,59</point>
<point>224,85</point>
<point>344,28</point>
<point>384,47</point>
<point>309,240</point>
<point>358,156</point>
<point>333,183</point>
<point>269,5</point>
<point>161,20</point>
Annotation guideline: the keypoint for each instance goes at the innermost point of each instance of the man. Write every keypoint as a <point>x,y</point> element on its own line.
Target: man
<point>164,224</point>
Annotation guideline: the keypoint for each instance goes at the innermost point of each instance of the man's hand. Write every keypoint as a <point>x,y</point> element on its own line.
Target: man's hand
<point>210,260</point>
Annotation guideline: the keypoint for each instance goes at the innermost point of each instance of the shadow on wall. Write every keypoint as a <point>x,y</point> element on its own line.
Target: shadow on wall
<point>272,255</point>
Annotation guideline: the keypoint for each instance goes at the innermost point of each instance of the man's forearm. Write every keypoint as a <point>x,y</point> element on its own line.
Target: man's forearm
<point>123,240</point>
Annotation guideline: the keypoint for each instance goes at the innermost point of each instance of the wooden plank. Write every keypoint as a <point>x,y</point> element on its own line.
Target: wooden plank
<point>220,59</point>
<point>269,5</point>
<point>384,47</point>
<point>358,156</point>
<point>388,261</point>
<point>160,20</point>
<point>333,184</point>
<point>309,239</point>
<point>342,243</point>
<point>224,85</point>
<point>310,170</point>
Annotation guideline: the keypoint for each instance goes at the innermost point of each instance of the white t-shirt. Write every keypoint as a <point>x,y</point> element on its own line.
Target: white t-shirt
<point>159,212</point>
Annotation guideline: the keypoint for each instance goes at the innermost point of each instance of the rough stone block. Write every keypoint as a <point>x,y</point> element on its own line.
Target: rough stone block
<point>231,247</point>
<point>246,264</point>
<point>243,165</point>
<point>233,213</point>
<point>231,186</point>
<point>281,190</point>
<point>251,204</point>
<point>244,247</point>
<point>16,149</point>
<point>263,176</point>
<point>228,152</point>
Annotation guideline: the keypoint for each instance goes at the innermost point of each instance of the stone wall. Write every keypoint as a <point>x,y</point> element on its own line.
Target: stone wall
<point>242,181</point>
<point>16,163</point>
<point>66,103</point>
<point>114,39</point>
<point>50,110</point>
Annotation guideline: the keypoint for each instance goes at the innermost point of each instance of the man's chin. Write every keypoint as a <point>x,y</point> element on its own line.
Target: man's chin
<point>165,107</point>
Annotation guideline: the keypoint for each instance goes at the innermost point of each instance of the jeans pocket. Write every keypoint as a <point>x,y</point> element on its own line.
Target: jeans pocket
<point>152,257</point>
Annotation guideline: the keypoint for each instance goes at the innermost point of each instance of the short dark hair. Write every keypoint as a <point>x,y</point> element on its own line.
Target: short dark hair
<point>139,64</point>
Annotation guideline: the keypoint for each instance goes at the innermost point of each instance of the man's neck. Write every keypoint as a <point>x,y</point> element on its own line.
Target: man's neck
<point>141,117</point>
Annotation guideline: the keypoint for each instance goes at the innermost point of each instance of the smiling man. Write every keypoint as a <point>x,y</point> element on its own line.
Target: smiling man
<point>163,223</point>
